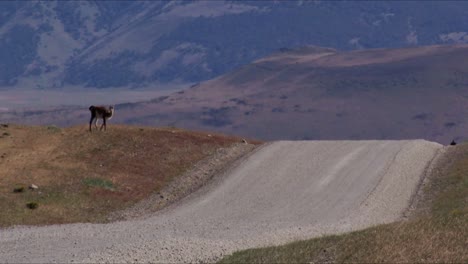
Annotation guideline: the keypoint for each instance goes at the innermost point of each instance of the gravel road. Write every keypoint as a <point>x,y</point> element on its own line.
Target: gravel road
<point>286,190</point>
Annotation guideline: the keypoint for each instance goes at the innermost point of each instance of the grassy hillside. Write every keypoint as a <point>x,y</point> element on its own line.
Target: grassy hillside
<point>82,176</point>
<point>436,232</point>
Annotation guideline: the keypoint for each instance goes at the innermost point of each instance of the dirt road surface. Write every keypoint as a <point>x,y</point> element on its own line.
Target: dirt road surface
<point>286,190</point>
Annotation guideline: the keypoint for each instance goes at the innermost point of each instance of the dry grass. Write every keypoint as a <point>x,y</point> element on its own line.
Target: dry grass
<point>83,176</point>
<point>436,232</point>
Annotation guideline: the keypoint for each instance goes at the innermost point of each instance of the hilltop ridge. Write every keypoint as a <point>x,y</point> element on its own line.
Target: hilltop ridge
<point>88,177</point>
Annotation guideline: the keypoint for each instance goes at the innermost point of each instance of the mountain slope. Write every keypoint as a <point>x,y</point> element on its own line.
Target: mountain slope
<point>322,94</point>
<point>62,44</point>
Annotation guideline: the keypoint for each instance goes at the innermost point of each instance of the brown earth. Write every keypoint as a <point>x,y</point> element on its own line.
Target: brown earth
<point>83,177</point>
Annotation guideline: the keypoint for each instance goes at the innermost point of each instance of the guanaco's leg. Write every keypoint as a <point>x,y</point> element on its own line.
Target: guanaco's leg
<point>91,122</point>
<point>104,124</point>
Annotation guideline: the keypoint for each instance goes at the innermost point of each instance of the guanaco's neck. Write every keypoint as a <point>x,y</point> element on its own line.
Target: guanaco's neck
<point>110,113</point>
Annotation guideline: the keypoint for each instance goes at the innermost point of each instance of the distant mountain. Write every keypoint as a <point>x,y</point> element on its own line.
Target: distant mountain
<point>63,44</point>
<point>313,93</point>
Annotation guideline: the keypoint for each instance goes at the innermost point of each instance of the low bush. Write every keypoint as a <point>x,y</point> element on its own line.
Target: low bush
<point>18,189</point>
<point>32,205</point>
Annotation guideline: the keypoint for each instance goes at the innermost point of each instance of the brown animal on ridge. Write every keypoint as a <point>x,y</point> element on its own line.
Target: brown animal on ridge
<point>100,112</point>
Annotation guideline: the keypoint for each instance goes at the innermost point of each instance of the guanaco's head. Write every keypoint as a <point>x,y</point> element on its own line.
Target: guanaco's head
<point>111,110</point>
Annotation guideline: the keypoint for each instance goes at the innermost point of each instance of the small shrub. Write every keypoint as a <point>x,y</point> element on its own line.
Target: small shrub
<point>422,116</point>
<point>6,134</point>
<point>457,213</point>
<point>32,205</point>
<point>18,190</point>
<point>98,182</point>
<point>450,124</point>
<point>54,128</point>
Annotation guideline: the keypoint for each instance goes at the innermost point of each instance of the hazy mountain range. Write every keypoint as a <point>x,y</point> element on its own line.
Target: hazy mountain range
<point>65,44</point>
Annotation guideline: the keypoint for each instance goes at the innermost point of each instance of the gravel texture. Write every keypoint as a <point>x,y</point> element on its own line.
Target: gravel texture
<point>201,174</point>
<point>284,191</point>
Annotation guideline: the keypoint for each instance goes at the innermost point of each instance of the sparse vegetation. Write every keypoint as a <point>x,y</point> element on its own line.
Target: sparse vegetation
<point>217,117</point>
<point>277,110</point>
<point>450,124</point>
<point>18,190</point>
<point>32,205</point>
<point>238,101</point>
<point>98,182</point>
<point>422,116</point>
<point>54,128</point>
<point>437,231</point>
<point>86,176</point>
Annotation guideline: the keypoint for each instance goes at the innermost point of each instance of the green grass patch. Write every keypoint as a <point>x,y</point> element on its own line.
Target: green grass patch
<point>50,206</point>
<point>438,234</point>
<point>98,182</point>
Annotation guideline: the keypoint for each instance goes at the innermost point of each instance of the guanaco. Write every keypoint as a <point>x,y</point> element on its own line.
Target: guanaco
<point>100,112</point>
